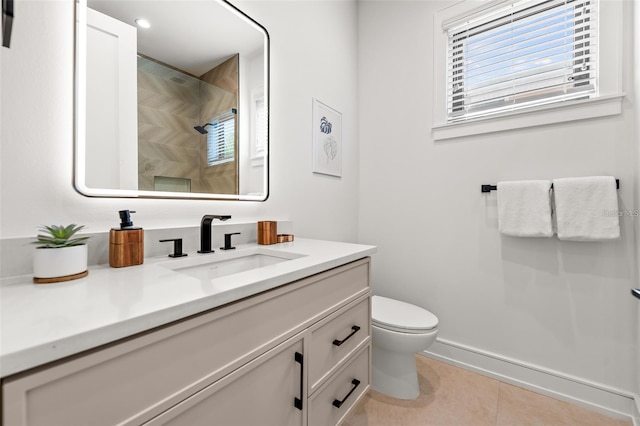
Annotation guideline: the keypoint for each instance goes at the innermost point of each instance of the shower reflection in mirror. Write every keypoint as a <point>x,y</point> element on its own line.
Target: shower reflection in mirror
<point>180,110</point>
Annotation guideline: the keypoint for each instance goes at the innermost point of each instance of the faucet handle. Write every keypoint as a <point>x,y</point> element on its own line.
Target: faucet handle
<point>177,247</point>
<point>227,241</point>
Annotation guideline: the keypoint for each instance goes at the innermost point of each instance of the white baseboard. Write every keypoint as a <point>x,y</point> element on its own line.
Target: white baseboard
<point>636,411</point>
<point>607,400</point>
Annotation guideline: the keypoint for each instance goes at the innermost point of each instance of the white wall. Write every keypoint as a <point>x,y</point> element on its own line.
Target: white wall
<point>251,87</point>
<point>37,125</point>
<point>636,94</point>
<point>561,307</point>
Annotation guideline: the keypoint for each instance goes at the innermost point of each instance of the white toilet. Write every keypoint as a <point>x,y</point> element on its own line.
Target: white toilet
<point>399,331</point>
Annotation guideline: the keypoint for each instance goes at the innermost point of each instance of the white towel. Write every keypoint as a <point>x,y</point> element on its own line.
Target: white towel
<point>524,208</point>
<point>586,208</point>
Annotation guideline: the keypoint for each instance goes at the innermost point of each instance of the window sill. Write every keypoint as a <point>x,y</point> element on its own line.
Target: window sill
<point>257,161</point>
<point>221,162</point>
<point>540,116</point>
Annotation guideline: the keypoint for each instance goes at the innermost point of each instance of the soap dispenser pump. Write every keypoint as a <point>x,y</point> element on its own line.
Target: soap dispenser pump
<point>126,244</point>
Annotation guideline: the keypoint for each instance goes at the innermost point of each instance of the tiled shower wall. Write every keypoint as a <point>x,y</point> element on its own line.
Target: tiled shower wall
<point>170,104</point>
<point>218,94</point>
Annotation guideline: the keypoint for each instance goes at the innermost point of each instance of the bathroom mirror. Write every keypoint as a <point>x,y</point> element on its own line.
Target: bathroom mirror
<point>171,100</point>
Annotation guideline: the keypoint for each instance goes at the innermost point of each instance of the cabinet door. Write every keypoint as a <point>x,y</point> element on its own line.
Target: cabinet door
<point>263,392</point>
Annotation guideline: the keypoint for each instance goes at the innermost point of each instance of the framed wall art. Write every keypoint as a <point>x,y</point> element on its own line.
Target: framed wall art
<point>327,140</point>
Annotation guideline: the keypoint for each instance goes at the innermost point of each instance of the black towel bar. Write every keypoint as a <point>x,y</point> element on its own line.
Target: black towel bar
<point>489,188</point>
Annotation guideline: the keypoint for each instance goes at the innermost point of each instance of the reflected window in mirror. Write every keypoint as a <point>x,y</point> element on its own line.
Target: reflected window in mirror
<point>260,116</point>
<point>221,139</point>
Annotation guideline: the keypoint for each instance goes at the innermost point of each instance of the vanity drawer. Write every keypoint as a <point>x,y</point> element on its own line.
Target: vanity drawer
<point>335,339</point>
<point>344,389</point>
<point>131,381</point>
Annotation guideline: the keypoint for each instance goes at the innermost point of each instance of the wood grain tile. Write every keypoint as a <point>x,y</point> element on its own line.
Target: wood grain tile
<point>170,104</point>
<point>526,408</point>
<point>448,396</point>
<point>453,396</point>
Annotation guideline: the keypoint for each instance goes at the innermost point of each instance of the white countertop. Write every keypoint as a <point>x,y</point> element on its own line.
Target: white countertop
<point>45,322</point>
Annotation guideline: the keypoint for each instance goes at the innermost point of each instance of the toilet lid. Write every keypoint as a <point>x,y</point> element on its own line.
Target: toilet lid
<point>400,316</point>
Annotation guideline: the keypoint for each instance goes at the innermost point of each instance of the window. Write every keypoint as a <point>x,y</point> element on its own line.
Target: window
<point>261,125</point>
<point>258,125</point>
<point>525,54</point>
<point>221,139</point>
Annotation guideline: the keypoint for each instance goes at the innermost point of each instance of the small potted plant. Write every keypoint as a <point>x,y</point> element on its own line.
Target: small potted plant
<point>60,255</point>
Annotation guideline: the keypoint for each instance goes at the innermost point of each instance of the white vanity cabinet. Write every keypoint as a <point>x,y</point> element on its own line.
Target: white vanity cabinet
<point>243,363</point>
<point>263,392</point>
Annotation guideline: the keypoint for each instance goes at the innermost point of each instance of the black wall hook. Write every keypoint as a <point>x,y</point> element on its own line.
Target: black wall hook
<point>7,22</point>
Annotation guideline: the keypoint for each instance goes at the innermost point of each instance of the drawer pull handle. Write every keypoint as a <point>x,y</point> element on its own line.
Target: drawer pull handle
<point>298,401</point>
<point>338,403</point>
<point>355,329</point>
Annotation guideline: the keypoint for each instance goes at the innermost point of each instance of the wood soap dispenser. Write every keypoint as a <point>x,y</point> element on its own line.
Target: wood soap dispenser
<point>126,244</point>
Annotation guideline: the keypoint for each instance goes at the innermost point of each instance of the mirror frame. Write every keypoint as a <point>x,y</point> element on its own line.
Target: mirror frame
<point>80,104</point>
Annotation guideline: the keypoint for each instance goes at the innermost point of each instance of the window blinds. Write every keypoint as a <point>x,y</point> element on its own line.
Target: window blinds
<point>528,53</point>
<point>221,138</point>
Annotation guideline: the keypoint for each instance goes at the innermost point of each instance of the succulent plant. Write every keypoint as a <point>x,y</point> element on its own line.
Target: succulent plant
<point>59,236</point>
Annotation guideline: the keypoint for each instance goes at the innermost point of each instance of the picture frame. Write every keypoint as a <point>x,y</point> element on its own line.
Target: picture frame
<point>327,140</point>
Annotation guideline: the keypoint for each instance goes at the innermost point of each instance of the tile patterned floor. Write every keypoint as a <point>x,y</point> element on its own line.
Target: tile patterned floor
<point>453,396</point>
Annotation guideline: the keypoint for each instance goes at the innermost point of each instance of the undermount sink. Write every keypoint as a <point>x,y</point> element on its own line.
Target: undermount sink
<point>219,264</point>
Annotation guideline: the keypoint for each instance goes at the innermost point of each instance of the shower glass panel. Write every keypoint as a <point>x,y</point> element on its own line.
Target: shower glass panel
<point>170,103</point>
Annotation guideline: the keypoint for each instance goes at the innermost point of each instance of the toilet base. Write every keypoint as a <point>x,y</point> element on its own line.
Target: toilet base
<point>394,373</point>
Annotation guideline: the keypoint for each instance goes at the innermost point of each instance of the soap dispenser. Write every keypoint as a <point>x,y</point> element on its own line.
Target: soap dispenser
<point>126,244</point>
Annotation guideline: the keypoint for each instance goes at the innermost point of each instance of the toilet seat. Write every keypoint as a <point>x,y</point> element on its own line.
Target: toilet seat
<point>402,317</point>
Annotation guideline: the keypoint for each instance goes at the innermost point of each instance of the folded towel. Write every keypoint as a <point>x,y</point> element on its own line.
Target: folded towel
<point>524,208</point>
<point>586,208</point>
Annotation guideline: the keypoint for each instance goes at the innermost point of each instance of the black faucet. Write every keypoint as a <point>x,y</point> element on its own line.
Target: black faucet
<point>227,241</point>
<point>205,231</point>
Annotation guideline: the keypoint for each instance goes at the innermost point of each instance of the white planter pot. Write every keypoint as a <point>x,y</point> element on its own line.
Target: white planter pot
<point>59,262</point>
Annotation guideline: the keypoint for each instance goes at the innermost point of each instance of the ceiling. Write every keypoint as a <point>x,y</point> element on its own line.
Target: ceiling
<point>193,36</point>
